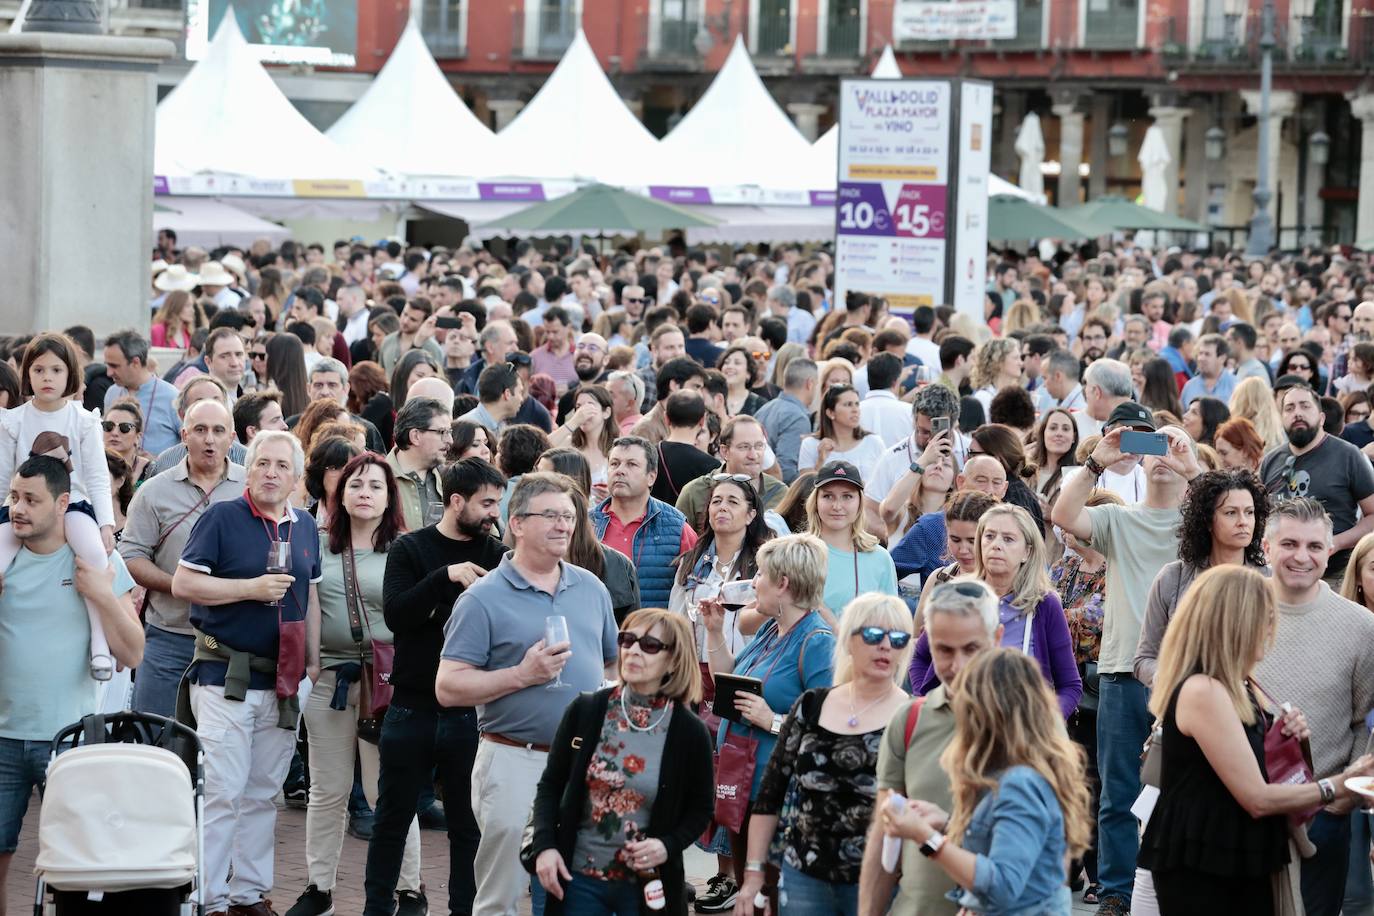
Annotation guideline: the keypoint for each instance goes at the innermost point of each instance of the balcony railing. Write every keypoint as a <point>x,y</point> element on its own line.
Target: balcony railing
<point>843,29</point>
<point>554,25</point>
<point>1111,23</point>
<point>154,4</point>
<point>441,24</point>
<point>1230,40</point>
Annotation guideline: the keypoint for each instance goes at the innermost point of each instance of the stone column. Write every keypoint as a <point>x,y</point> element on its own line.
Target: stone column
<point>1097,145</point>
<point>808,118</point>
<point>504,111</point>
<point>76,234</point>
<point>1362,107</point>
<point>1070,118</point>
<point>1314,176</point>
<point>1169,119</point>
<point>1282,104</point>
<point>1196,168</point>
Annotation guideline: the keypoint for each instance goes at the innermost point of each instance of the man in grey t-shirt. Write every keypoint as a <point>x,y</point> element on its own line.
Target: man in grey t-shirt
<point>495,658</point>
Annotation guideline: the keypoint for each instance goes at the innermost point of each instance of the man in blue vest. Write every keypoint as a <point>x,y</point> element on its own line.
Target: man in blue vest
<point>651,533</point>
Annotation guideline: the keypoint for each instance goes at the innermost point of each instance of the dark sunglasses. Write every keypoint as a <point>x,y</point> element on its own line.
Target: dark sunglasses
<point>258,354</point>
<point>872,636</point>
<point>638,299</point>
<point>651,645</point>
<point>109,426</point>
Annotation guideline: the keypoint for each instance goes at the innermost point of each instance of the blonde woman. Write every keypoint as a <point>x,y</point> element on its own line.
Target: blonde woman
<point>827,754</point>
<point>856,562</point>
<point>1253,399</point>
<point>174,323</point>
<point>1022,315</point>
<point>1011,559</point>
<point>1020,794</point>
<point>996,364</point>
<point>786,353</point>
<point>1358,585</point>
<point>1218,832</point>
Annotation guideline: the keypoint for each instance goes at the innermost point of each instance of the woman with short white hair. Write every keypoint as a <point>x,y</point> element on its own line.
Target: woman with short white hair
<point>827,755</point>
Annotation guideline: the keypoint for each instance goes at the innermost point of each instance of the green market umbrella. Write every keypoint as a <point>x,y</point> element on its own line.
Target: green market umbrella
<point>598,209</point>
<point>1119,213</point>
<point>1011,217</point>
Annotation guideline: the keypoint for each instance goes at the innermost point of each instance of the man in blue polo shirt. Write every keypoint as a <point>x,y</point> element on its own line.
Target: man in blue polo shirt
<point>251,651</point>
<point>494,658</point>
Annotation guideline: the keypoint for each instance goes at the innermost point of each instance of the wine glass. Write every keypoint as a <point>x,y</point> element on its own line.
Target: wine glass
<point>555,632</point>
<point>279,557</point>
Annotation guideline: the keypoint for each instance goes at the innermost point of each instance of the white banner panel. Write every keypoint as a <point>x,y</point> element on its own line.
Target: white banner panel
<point>921,20</point>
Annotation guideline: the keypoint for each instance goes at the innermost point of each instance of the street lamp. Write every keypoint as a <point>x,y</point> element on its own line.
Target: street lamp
<point>80,17</point>
<point>1118,138</point>
<point>1262,223</point>
<point>1215,143</point>
<point>1319,147</point>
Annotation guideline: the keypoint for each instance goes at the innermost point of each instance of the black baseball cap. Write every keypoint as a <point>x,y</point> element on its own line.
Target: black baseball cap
<point>1284,382</point>
<point>1129,413</point>
<point>839,472</point>
<point>519,358</point>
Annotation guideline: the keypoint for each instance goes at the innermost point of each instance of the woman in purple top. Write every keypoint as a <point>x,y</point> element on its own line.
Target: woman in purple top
<point>1011,559</point>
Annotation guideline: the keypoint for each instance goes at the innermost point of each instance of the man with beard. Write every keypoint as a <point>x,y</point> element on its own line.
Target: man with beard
<point>1361,331</point>
<point>1092,338</point>
<point>495,658</point>
<point>1324,468</point>
<point>589,362</point>
<point>426,572</point>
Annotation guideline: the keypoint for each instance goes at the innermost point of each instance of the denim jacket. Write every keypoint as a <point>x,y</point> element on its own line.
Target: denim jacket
<point>1017,832</point>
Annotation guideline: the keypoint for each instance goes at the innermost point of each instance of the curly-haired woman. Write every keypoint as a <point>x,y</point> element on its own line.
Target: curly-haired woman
<point>996,364</point>
<point>1223,517</point>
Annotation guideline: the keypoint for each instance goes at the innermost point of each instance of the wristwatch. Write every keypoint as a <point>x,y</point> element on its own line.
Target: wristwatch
<point>777,724</point>
<point>933,844</point>
<point>916,468</point>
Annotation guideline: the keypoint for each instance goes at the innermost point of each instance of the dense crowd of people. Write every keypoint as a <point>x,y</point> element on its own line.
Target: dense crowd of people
<point>587,560</point>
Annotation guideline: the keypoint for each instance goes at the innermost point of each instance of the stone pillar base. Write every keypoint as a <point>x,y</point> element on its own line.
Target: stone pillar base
<point>77,235</point>
<point>808,118</point>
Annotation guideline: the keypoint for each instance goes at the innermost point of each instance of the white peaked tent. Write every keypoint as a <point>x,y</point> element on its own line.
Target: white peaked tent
<point>825,152</point>
<point>577,127</point>
<point>227,117</point>
<point>736,135</point>
<point>411,122</point>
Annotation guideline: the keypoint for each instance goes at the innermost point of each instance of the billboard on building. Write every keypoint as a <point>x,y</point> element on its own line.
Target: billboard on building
<point>912,178</point>
<point>946,20</point>
<point>319,32</point>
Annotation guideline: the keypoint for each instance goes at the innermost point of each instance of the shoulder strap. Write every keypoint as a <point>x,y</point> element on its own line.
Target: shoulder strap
<point>205,498</point>
<point>353,597</point>
<point>801,655</point>
<point>913,713</point>
<point>663,466</point>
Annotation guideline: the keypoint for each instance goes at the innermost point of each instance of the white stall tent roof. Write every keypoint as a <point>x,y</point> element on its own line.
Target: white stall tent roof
<point>411,122</point>
<point>736,136</point>
<point>742,224</point>
<point>577,127</point>
<point>825,152</point>
<point>209,223</point>
<point>227,117</point>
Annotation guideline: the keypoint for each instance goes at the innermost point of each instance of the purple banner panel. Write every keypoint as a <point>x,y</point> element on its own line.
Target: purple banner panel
<point>823,198</point>
<point>862,210</point>
<point>502,190</point>
<point>160,184</point>
<point>676,195</point>
<point>920,211</point>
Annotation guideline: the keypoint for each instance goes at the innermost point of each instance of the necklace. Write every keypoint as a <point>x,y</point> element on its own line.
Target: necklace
<point>853,720</point>
<point>630,722</point>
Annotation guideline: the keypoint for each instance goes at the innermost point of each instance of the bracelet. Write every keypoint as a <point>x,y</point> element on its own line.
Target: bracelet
<point>1093,467</point>
<point>753,865</point>
<point>709,650</point>
<point>1328,790</point>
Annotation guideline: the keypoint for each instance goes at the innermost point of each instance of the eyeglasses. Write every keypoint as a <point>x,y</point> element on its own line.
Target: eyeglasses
<point>761,354</point>
<point>872,636</point>
<point>445,433</point>
<point>639,300</point>
<point>552,517</point>
<point>650,644</point>
<point>710,299</point>
<point>125,428</point>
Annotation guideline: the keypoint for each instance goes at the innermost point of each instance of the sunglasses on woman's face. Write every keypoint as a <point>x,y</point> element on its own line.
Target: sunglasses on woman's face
<point>651,645</point>
<point>872,636</point>
<point>109,426</point>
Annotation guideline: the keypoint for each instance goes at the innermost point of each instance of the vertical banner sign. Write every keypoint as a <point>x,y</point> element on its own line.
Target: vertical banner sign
<point>969,262</point>
<point>891,223</point>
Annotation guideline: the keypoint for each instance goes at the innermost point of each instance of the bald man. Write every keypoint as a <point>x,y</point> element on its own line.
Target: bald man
<point>589,362</point>
<point>432,387</point>
<point>985,474</point>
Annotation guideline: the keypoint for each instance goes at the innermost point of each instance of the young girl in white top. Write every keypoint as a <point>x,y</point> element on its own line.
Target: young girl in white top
<point>50,423</point>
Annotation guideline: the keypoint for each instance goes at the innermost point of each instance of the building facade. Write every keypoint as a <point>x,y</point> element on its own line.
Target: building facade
<point>1097,72</point>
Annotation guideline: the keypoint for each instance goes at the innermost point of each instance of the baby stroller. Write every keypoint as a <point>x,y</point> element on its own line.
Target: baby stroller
<point>121,827</point>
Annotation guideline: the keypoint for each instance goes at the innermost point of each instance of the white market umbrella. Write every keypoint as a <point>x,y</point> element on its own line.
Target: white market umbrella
<point>1030,147</point>
<point>1154,161</point>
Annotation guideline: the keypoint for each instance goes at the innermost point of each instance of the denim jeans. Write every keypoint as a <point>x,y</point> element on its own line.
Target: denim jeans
<point>23,765</point>
<point>1359,884</point>
<point>1323,875</point>
<point>803,895</point>
<point>413,743</point>
<point>584,896</point>
<point>1123,723</point>
<point>166,656</point>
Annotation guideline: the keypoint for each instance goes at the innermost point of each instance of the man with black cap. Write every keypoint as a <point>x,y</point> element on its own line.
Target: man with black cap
<point>1137,540</point>
<point>1127,477</point>
<point>1322,467</point>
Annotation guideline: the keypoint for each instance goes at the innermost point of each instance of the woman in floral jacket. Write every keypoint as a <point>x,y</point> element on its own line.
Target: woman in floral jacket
<point>609,805</point>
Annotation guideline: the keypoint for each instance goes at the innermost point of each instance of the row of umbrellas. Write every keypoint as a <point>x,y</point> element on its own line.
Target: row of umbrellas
<point>599,209</point>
